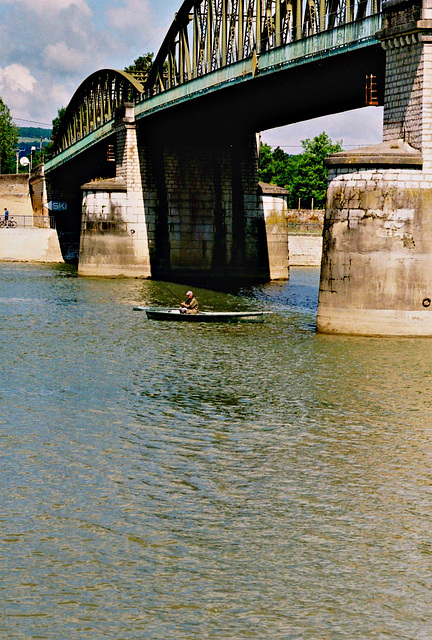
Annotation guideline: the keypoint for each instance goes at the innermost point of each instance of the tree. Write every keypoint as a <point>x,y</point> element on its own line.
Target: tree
<point>56,123</point>
<point>304,175</point>
<point>9,134</point>
<point>276,166</point>
<point>141,67</point>
<point>265,169</point>
<point>309,184</point>
<point>48,151</point>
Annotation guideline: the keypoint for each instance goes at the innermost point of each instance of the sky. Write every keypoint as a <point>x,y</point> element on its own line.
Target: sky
<point>49,47</point>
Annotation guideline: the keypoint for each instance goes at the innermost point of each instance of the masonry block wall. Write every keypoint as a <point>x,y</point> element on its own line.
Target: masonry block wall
<point>376,273</point>
<point>407,75</point>
<point>276,224</point>
<point>114,236</point>
<point>14,194</point>
<point>204,214</point>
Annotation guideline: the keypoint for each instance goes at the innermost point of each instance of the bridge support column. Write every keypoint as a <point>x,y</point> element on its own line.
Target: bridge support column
<point>114,238</point>
<point>376,274</point>
<point>207,218</point>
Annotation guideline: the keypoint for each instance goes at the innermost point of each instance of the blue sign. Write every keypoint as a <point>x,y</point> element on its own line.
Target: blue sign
<point>57,206</point>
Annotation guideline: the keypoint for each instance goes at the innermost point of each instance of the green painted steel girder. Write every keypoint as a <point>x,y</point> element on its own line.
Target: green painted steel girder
<point>94,103</point>
<point>212,42</point>
<point>222,32</point>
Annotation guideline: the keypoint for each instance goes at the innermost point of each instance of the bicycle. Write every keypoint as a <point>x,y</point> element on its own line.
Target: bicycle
<point>10,223</point>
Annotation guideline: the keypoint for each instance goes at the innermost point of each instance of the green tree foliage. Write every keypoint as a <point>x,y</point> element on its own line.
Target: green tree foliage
<point>141,67</point>
<point>276,166</point>
<point>304,175</point>
<point>48,150</point>
<point>34,132</point>
<point>57,122</point>
<point>9,134</point>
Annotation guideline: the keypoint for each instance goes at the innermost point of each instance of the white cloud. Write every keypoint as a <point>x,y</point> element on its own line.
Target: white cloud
<point>59,57</point>
<point>130,14</point>
<point>16,77</point>
<point>53,6</point>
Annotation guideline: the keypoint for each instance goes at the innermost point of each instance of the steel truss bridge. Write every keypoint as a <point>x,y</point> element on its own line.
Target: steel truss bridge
<point>220,44</point>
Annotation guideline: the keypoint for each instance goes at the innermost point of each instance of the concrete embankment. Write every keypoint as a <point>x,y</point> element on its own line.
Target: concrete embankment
<point>30,241</point>
<point>15,194</point>
<point>30,245</point>
<point>305,251</point>
<point>305,237</point>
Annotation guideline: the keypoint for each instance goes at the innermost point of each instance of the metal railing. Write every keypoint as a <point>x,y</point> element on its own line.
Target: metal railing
<point>305,228</point>
<point>29,222</point>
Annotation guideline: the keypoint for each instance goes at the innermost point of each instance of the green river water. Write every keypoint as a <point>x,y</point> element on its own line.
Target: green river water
<point>171,481</point>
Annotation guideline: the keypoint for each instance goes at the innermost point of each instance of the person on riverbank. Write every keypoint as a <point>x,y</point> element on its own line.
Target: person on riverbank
<point>6,217</point>
<point>191,304</point>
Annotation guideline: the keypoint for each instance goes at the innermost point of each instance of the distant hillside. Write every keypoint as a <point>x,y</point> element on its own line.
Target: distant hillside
<point>35,133</point>
<point>31,137</point>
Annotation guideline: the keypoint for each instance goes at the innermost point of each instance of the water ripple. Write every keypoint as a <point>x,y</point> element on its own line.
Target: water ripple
<point>207,481</point>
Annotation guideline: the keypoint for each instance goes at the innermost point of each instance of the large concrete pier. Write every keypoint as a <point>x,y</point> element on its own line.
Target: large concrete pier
<point>376,276</point>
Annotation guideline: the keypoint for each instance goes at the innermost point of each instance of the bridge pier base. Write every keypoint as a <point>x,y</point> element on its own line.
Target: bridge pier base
<point>178,208</point>
<point>376,272</point>
<point>114,239</point>
<point>204,208</point>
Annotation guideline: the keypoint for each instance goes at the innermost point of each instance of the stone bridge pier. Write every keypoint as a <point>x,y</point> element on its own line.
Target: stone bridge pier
<point>179,207</point>
<point>376,275</point>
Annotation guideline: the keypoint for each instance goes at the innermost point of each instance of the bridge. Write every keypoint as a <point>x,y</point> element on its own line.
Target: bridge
<point>157,176</point>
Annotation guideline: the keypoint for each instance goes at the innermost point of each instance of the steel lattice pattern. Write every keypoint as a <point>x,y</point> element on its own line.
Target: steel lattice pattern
<point>94,103</point>
<point>205,36</point>
<point>209,35</point>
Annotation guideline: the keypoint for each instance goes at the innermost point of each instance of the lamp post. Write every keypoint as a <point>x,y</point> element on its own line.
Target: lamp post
<point>18,151</point>
<point>32,152</point>
<point>24,162</point>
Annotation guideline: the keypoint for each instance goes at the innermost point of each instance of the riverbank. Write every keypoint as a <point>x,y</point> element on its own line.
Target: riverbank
<point>42,245</point>
<point>304,251</point>
<point>29,245</point>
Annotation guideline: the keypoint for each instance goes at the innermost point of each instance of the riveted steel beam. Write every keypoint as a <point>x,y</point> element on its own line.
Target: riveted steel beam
<point>207,36</point>
<point>94,103</point>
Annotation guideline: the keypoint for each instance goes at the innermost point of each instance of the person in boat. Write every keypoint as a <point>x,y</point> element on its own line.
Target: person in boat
<point>191,304</point>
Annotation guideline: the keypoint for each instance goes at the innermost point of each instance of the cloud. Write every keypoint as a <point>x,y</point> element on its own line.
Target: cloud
<point>130,14</point>
<point>16,77</point>
<point>51,6</point>
<point>61,58</point>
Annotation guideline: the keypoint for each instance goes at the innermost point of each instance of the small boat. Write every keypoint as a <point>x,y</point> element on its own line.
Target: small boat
<point>204,316</point>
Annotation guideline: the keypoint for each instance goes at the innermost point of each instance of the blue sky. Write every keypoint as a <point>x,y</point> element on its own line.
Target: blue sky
<point>48,47</point>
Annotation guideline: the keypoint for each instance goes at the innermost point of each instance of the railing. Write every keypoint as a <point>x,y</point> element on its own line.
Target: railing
<point>29,222</point>
<point>305,228</point>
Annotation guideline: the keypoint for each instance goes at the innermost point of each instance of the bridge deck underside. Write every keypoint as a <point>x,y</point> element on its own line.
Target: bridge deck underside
<point>319,88</point>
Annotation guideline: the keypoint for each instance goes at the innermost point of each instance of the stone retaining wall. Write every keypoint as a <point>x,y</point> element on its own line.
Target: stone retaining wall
<point>305,251</point>
<point>29,245</point>
<point>15,195</point>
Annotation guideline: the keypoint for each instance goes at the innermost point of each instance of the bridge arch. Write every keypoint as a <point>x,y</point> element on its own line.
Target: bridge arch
<point>94,103</point>
<point>207,35</point>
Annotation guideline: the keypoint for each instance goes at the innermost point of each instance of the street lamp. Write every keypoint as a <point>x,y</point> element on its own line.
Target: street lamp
<point>18,151</point>
<point>32,152</point>
<point>25,162</point>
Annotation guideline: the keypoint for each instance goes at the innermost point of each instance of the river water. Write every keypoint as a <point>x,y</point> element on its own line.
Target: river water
<point>170,482</point>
